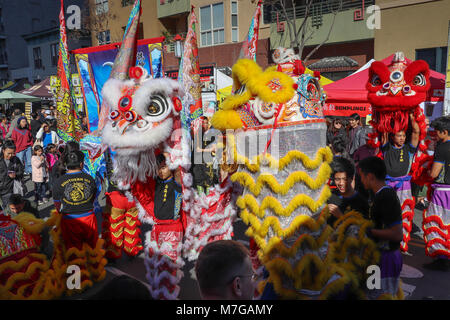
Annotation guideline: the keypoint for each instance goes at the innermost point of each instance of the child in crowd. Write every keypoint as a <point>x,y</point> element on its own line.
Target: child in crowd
<point>52,157</point>
<point>386,213</point>
<point>39,174</point>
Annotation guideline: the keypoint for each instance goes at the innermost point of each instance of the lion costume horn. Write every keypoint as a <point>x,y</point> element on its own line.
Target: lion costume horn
<point>125,59</point>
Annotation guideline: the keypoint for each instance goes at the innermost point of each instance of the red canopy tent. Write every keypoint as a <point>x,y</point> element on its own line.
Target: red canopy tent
<point>349,95</point>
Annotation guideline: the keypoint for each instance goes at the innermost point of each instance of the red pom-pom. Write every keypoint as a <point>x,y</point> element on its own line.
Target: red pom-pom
<point>295,86</point>
<point>136,72</point>
<point>299,68</point>
<point>177,104</point>
<point>317,74</point>
<point>125,103</point>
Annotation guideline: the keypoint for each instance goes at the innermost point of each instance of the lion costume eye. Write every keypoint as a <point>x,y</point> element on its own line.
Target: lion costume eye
<point>419,80</point>
<point>131,116</point>
<point>158,106</point>
<point>376,81</point>
<point>114,115</point>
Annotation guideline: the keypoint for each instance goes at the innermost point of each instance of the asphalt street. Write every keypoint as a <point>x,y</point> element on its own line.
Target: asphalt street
<point>417,282</point>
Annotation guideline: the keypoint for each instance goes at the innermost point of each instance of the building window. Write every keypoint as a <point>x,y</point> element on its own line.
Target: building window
<point>101,6</point>
<point>234,22</point>
<point>37,58</point>
<point>435,57</point>
<point>212,24</point>
<point>104,37</point>
<point>127,2</point>
<point>54,54</point>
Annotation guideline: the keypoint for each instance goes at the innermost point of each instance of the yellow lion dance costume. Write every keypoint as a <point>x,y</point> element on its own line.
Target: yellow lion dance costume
<point>278,140</point>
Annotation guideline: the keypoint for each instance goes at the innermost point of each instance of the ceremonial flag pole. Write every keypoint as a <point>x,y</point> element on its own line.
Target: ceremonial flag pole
<point>192,110</point>
<point>250,45</point>
<point>190,73</point>
<point>68,124</point>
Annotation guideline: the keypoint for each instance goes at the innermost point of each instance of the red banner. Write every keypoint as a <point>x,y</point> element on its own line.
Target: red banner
<point>68,124</point>
<point>346,109</point>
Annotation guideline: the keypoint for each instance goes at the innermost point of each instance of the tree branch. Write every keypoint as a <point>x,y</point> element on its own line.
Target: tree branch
<point>289,23</point>
<point>294,25</point>
<point>303,28</point>
<point>306,16</point>
<point>308,37</point>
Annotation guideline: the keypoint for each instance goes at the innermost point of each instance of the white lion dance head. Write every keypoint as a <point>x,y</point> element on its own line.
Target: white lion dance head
<point>142,112</point>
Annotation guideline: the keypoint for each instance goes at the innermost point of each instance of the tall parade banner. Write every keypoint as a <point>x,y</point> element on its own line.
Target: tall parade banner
<point>94,66</point>
<point>447,80</point>
<point>250,45</point>
<point>68,124</point>
<point>189,74</point>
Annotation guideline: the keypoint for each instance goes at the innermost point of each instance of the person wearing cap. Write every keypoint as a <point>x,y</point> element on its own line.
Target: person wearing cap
<point>49,115</point>
<point>23,140</point>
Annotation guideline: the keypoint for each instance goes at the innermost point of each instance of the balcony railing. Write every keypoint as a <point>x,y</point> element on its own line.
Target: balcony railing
<point>318,9</point>
<point>169,8</point>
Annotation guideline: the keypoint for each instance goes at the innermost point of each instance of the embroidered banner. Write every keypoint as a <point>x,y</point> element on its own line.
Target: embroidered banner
<point>68,124</point>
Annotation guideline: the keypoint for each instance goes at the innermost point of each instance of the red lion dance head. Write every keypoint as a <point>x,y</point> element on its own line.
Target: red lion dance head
<point>395,91</point>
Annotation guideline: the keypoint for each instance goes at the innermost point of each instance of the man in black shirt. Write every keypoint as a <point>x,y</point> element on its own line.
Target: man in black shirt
<point>438,213</point>
<point>167,194</point>
<point>345,199</point>
<point>398,157</point>
<point>74,195</point>
<point>168,227</point>
<point>398,154</point>
<point>386,213</point>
